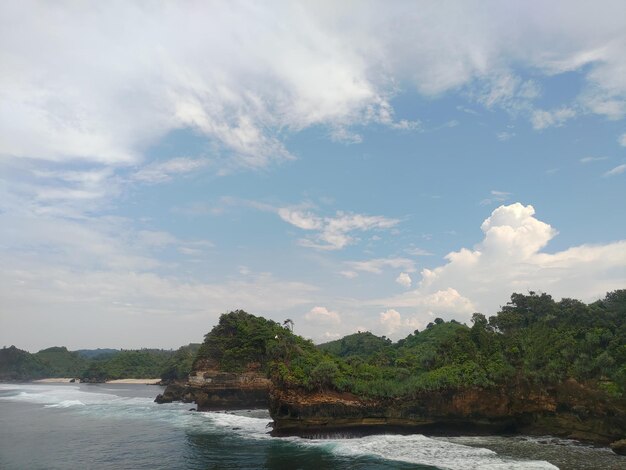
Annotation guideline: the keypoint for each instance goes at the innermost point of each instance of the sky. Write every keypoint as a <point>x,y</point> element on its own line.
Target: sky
<point>348,165</point>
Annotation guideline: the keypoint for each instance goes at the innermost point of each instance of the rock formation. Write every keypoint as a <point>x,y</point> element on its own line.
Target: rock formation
<point>214,390</point>
<point>568,410</point>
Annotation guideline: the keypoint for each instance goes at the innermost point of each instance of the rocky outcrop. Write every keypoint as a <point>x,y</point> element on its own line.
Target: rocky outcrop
<point>569,410</point>
<point>214,390</point>
<point>619,447</point>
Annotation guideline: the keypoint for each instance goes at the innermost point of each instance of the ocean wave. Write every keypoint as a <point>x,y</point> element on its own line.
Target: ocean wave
<point>416,448</point>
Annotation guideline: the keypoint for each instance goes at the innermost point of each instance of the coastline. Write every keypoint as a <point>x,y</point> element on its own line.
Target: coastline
<point>56,380</point>
<point>117,381</point>
<point>134,381</point>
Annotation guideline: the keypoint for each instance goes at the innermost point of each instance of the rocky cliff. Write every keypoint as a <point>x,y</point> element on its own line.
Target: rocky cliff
<point>214,390</point>
<point>569,410</point>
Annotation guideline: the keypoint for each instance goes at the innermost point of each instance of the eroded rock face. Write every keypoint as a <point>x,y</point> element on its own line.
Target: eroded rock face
<point>568,410</point>
<point>213,390</point>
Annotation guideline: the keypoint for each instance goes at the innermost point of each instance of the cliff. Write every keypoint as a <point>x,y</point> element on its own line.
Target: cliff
<point>214,390</point>
<point>569,410</point>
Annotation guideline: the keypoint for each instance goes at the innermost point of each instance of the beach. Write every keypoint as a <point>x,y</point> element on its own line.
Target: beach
<point>118,381</point>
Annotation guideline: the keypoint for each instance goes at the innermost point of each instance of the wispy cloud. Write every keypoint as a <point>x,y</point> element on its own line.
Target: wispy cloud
<point>542,119</point>
<point>159,172</point>
<point>592,159</point>
<point>333,233</point>
<point>618,170</point>
<point>496,196</point>
<point>377,265</point>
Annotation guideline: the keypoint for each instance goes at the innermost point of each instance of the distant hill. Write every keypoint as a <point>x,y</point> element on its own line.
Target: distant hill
<point>94,353</point>
<point>96,365</point>
<point>16,364</point>
<point>60,362</point>
<point>362,344</point>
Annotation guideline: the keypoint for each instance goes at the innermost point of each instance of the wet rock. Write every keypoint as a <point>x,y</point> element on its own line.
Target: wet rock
<point>619,447</point>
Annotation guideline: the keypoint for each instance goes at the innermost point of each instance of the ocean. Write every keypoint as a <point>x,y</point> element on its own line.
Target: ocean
<point>105,426</point>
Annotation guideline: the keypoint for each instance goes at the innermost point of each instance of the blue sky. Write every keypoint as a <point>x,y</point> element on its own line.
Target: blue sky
<point>353,167</point>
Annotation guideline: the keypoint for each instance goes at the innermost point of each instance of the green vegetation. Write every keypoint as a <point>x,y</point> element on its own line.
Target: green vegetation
<point>60,362</point>
<point>16,364</point>
<point>96,365</point>
<point>179,365</point>
<point>241,341</point>
<point>532,340</point>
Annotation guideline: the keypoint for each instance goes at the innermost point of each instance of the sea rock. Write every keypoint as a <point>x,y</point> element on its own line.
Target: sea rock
<point>619,447</point>
<point>214,390</point>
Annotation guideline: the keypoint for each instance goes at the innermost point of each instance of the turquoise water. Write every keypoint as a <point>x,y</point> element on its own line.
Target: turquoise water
<point>66,426</point>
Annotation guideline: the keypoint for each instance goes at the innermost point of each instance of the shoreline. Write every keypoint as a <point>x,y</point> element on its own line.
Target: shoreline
<point>64,380</point>
<point>134,381</point>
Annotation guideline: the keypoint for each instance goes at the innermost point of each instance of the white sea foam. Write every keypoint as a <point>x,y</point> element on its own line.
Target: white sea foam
<point>66,404</point>
<point>415,448</point>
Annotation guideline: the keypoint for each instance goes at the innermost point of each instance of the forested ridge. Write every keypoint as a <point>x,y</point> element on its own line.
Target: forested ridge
<point>532,340</point>
<point>96,365</point>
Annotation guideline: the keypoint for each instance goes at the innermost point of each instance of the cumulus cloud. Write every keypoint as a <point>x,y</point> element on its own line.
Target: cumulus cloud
<point>622,139</point>
<point>510,259</point>
<point>394,324</point>
<point>404,280</point>
<point>322,315</point>
<point>333,233</point>
<point>391,320</point>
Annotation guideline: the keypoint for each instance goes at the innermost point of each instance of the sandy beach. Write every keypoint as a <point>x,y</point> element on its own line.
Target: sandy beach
<point>56,380</point>
<point>134,381</point>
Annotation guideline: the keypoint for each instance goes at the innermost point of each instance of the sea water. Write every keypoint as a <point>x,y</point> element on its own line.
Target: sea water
<point>105,426</point>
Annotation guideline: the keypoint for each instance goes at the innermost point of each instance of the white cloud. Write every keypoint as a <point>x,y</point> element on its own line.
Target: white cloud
<point>404,280</point>
<point>592,159</point>
<point>391,320</point>
<point>300,219</point>
<point>100,275</point>
<point>541,119</point>
<point>504,136</point>
<point>376,266</point>
<point>618,170</point>
<point>333,233</point>
<point>349,274</point>
<point>159,172</point>
<point>242,75</point>
<point>510,259</point>
<point>496,196</point>
<point>393,323</point>
<point>418,252</point>
<point>322,315</point>
<point>622,139</point>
